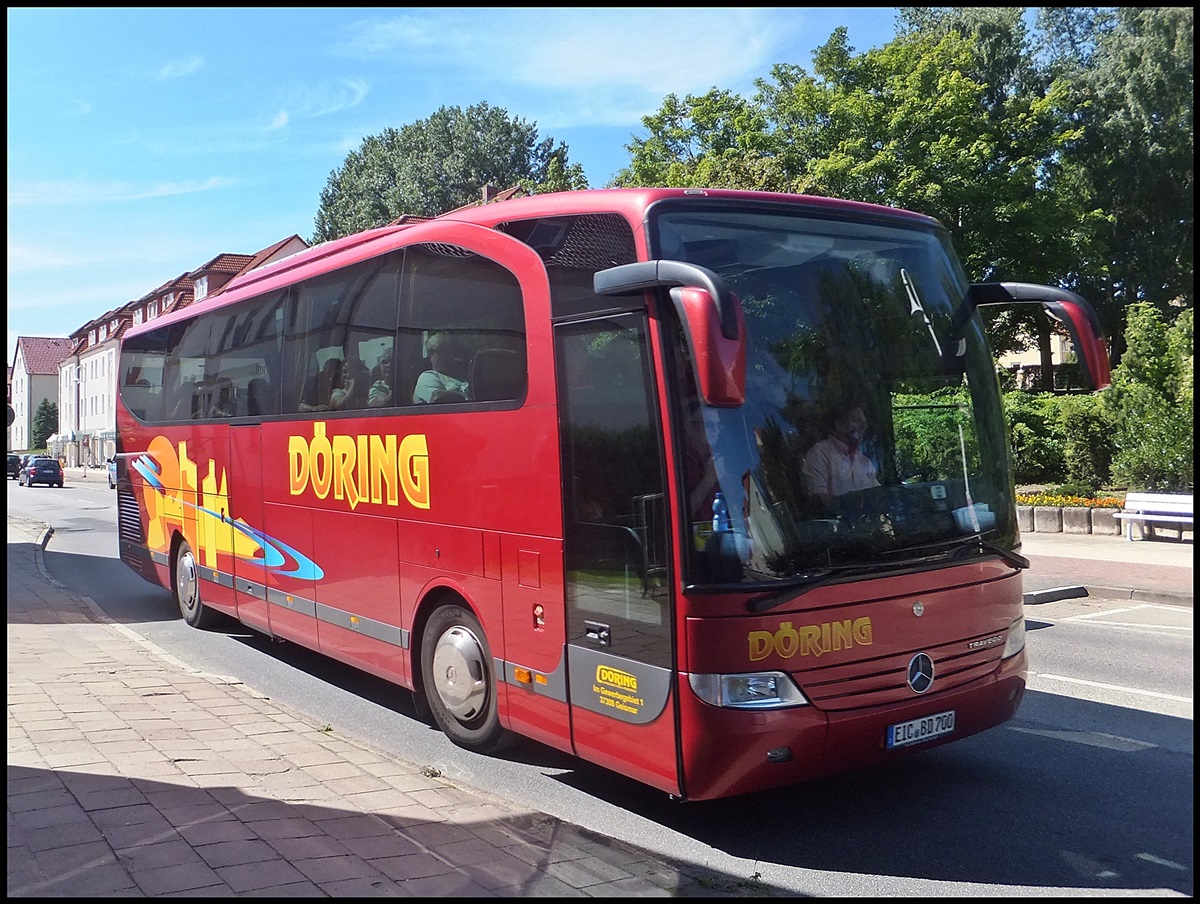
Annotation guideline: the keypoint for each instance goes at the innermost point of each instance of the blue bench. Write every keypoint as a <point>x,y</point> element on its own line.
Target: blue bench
<point>1170,510</point>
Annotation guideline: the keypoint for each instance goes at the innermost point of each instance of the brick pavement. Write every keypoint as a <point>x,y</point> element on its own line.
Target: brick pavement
<point>131,774</point>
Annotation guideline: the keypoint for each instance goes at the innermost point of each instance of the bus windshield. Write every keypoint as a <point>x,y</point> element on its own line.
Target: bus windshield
<point>871,433</point>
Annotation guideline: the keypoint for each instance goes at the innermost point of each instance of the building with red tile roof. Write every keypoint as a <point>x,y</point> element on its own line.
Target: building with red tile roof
<point>78,373</point>
<point>34,380</point>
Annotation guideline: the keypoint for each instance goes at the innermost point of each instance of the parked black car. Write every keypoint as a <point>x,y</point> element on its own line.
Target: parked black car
<point>14,465</point>
<point>41,470</point>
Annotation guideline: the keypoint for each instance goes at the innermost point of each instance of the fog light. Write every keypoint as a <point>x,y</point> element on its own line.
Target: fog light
<point>779,755</point>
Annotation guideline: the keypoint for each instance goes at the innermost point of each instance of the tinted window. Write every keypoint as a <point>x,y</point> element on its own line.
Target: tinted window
<point>476,306</point>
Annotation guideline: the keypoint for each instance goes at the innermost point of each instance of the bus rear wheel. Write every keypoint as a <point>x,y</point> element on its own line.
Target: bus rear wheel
<point>459,683</point>
<point>185,585</point>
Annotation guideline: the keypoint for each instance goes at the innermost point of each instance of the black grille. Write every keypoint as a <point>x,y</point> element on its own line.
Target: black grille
<point>874,682</point>
<point>131,537</point>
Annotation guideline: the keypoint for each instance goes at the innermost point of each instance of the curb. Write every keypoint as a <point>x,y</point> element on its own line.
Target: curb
<point>1054,594</point>
<point>1161,597</point>
<point>1164,597</point>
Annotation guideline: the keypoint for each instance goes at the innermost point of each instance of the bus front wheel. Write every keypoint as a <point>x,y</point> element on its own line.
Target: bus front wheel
<point>459,683</point>
<point>186,588</point>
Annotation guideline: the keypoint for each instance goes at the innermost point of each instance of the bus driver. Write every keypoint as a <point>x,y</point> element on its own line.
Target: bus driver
<point>836,465</point>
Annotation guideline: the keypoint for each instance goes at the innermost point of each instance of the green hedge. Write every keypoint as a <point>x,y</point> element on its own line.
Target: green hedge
<point>1137,434</point>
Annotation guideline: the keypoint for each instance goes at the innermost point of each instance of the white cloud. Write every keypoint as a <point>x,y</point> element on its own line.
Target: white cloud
<point>588,66</point>
<point>181,67</point>
<point>312,101</point>
<point>22,257</point>
<point>269,127</point>
<point>77,191</point>
<point>376,37</point>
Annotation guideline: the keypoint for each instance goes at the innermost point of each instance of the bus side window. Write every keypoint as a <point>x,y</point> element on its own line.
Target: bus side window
<point>496,374</point>
<point>473,305</point>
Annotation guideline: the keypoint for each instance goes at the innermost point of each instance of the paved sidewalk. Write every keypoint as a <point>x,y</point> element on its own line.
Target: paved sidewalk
<point>131,774</point>
<point>1109,567</point>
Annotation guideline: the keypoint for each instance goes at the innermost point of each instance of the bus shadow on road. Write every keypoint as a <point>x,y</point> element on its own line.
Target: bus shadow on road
<point>1105,808</point>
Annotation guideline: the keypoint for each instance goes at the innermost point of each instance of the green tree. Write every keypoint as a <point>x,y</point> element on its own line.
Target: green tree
<point>439,164</point>
<point>1035,436</point>
<point>1060,154</point>
<point>1087,439</point>
<point>45,424</point>
<point>1128,77</point>
<point>1150,402</point>
<point>714,140</point>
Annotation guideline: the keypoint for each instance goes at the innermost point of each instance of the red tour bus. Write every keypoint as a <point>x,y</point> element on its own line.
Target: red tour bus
<point>562,466</point>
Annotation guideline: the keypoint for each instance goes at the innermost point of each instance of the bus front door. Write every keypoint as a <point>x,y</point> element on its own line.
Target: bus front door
<point>619,647</point>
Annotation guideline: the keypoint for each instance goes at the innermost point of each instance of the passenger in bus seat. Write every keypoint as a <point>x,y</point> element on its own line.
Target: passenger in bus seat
<point>443,360</point>
<point>258,397</point>
<point>836,465</point>
<point>319,387</point>
<point>350,392</point>
<point>381,376</point>
<point>222,405</point>
<point>186,404</point>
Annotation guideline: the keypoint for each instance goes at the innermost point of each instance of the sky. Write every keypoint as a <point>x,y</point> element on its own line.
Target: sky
<point>143,143</point>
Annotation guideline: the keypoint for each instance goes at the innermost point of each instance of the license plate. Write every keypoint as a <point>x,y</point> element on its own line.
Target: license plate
<point>917,731</point>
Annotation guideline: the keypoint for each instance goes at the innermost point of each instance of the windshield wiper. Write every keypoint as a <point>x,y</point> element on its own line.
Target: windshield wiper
<point>801,584</point>
<point>978,544</point>
<point>916,309</point>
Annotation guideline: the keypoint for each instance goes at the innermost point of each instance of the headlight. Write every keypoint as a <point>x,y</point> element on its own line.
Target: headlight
<point>1016,639</point>
<point>749,690</point>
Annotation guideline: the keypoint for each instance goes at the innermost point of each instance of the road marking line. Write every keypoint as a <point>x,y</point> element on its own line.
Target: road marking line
<point>1111,687</point>
<point>1176,629</point>
<point>1091,738</point>
<point>1150,858</point>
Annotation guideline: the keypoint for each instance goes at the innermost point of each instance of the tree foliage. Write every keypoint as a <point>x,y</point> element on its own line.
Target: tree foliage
<point>1150,402</point>
<point>1127,75</point>
<point>45,424</point>
<point>439,164</point>
<point>1061,154</point>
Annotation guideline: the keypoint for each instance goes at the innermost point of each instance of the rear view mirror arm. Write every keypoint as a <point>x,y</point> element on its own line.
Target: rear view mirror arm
<point>630,279</point>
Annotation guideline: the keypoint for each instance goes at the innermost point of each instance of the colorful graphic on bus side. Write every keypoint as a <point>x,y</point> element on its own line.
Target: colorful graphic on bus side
<point>176,496</point>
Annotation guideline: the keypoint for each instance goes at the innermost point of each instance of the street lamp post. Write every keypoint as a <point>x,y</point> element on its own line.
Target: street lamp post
<point>80,437</point>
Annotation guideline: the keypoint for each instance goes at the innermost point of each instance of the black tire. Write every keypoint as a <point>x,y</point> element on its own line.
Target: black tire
<point>458,680</point>
<point>185,585</point>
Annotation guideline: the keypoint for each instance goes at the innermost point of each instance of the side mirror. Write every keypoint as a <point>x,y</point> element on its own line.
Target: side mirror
<point>1064,306</point>
<point>712,320</point>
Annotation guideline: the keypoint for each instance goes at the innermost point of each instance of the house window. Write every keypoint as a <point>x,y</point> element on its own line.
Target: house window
<point>137,316</point>
<point>200,287</point>
<point>153,309</point>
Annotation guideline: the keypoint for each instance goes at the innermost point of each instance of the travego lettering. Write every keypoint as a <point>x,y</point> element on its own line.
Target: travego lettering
<point>810,640</point>
<point>363,468</point>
